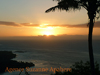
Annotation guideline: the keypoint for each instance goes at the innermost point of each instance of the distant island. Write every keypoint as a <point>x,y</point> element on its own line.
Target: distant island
<point>6,62</point>
<point>50,37</point>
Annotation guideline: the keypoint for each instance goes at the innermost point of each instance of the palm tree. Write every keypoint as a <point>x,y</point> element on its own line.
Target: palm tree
<point>92,7</point>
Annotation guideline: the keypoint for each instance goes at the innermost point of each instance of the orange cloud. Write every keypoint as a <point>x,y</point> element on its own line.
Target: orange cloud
<point>29,24</point>
<point>96,25</point>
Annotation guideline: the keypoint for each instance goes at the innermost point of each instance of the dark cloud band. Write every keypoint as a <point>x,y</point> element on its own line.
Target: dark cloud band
<point>96,25</point>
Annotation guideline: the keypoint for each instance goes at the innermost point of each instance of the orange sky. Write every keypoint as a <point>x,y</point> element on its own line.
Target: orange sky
<point>26,18</point>
<point>30,29</point>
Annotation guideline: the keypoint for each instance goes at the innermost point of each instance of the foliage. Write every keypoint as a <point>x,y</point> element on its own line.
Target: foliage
<point>67,5</point>
<point>80,68</point>
<point>6,62</point>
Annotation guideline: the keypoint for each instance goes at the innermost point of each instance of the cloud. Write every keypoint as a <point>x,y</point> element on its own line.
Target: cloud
<point>29,24</point>
<point>9,23</point>
<point>5,23</point>
<point>96,25</point>
<point>85,25</point>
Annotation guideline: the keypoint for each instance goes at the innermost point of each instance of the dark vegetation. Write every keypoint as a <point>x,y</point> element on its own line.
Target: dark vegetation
<point>5,61</point>
<point>80,68</point>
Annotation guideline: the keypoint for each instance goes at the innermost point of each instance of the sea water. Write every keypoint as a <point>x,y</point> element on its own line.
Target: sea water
<point>50,53</point>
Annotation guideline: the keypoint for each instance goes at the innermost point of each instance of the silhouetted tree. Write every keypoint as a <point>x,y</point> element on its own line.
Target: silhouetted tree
<point>80,68</point>
<point>92,7</point>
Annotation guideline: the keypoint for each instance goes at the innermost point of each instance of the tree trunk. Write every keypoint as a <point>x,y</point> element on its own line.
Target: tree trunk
<point>90,47</point>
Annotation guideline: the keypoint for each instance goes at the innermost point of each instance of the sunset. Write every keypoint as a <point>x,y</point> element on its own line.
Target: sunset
<point>30,29</point>
<point>47,37</point>
<point>26,18</point>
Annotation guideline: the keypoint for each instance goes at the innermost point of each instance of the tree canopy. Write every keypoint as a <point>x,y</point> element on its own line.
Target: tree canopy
<point>67,5</point>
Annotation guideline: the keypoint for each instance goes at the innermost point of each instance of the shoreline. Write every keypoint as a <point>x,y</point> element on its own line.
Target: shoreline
<point>5,61</point>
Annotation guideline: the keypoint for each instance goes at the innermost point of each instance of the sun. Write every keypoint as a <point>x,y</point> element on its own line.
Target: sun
<point>47,33</point>
<point>46,30</point>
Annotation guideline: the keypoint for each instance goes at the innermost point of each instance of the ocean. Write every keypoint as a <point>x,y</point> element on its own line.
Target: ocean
<point>50,53</point>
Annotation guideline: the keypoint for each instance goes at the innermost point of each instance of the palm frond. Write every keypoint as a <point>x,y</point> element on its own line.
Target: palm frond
<point>51,9</point>
<point>65,5</point>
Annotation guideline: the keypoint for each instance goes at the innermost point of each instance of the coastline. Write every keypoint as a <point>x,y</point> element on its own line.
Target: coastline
<point>5,61</point>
